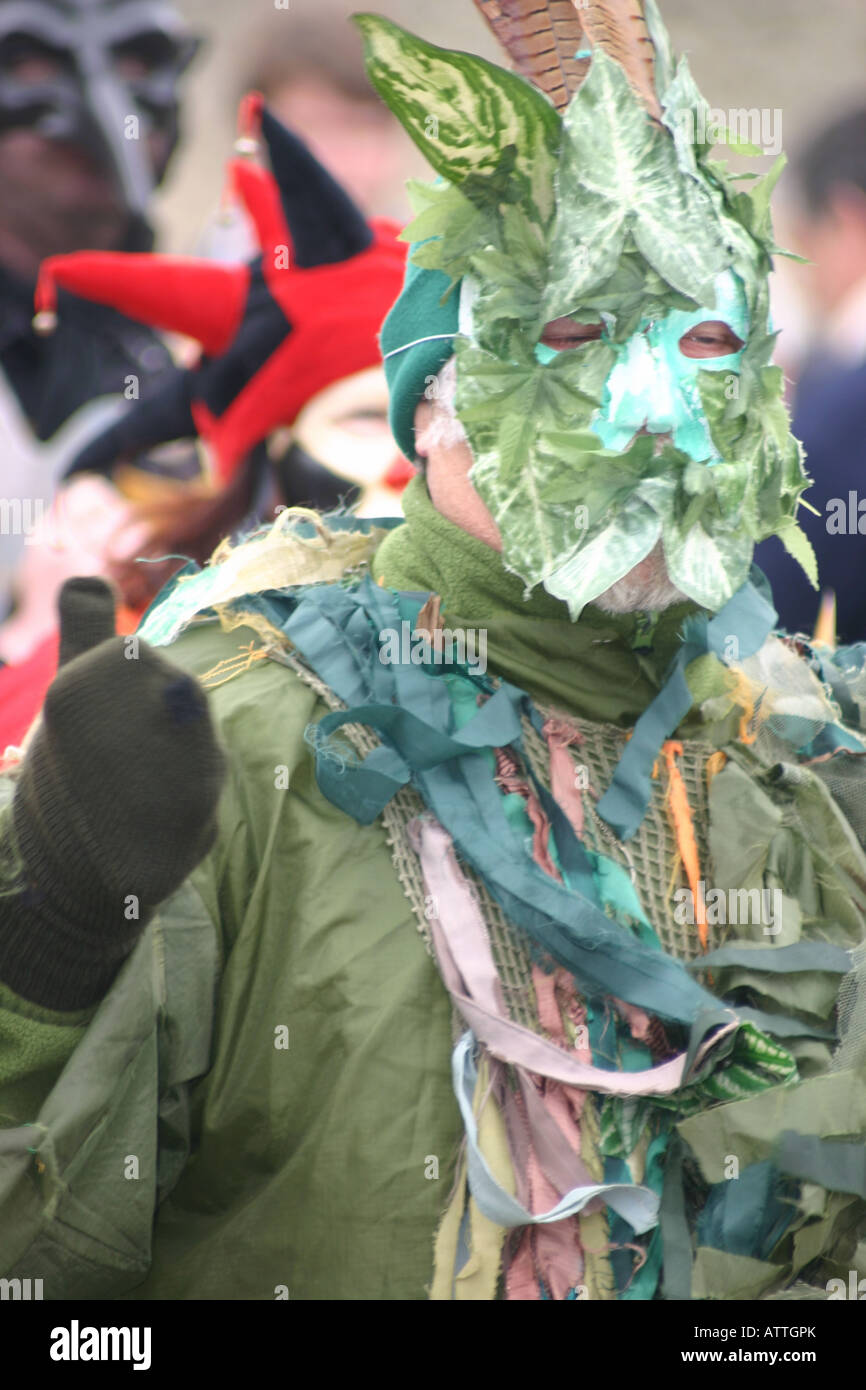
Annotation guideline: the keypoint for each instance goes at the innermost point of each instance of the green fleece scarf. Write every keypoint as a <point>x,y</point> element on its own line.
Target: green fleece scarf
<point>606,667</point>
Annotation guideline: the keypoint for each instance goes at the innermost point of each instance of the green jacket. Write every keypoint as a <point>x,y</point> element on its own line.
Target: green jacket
<point>252,1110</point>
<point>308,1159</point>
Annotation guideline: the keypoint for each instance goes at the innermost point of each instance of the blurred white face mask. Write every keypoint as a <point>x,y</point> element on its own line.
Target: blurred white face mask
<point>345,429</point>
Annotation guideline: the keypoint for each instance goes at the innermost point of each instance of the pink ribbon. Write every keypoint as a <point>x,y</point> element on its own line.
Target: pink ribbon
<point>469,973</point>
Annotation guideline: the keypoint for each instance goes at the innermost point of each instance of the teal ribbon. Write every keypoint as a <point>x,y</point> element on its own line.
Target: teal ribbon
<point>383,772</point>
<point>337,631</point>
<point>837,1164</point>
<point>748,616</point>
<point>748,1215</point>
<point>802,955</point>
<point>675,1235</point>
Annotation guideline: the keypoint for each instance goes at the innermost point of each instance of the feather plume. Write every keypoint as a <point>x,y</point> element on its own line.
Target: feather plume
<point>543,37</point>
<point>620,28</point>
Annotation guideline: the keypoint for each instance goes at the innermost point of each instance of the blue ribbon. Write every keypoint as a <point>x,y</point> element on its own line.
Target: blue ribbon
<point>748,617</point>
<point>639,1206</point>
<point>337,631</point>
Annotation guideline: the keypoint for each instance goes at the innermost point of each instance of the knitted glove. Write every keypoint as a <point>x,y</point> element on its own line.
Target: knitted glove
<point>114,806</point>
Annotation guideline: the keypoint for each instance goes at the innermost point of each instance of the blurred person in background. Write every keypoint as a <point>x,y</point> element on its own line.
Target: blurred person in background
<point>313,79</point>
<point>830,401</point>
<point>88,125</point>
<point>288,400</point>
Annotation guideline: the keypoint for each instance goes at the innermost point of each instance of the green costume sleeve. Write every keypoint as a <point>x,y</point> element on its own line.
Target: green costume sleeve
<point>94,1113</point>
<point>296,923</point>
<point>35,1043</point>
<point>326,1129</point>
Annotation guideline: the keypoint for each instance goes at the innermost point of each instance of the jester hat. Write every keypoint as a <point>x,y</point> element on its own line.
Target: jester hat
<point>304,313</point>
<point>581,188</point>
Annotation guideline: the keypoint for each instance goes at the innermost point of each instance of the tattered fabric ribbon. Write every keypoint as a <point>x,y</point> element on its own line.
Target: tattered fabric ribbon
<point>749,617</point>
<point>543,1123</point>
<point>410,708</point>
<point>469,972</point>
<point>638,1205</point>
<point>560,736</point>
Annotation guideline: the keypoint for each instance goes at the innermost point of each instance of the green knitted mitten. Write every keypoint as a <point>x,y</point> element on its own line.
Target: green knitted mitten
<point>115,804</point>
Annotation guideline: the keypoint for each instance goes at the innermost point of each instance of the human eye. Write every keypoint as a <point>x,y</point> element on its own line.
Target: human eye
<point>566,332</point>
<point>710,339</point>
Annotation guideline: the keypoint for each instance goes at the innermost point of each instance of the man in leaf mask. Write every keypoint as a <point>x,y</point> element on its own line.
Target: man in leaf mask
<point>612,333</point>
<point>542,721</point>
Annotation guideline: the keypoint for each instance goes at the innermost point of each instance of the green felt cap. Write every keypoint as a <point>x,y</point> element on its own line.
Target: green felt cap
<point>417,339</point>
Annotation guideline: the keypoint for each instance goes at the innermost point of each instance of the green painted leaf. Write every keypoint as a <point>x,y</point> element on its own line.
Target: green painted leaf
<point>753,205</point>
<point>634,291</point>
<point>746,147</point>
<point>606,556</point>
<point>685,113</point>
<point>476,123</point>
<point>798,545</point>
<point>664,56</point>
<point>708,566</point>
<point>528,426</point>
<point>509,288</point>
<point>724,418</point>
<point>450,230</point>
<point>619,180</point>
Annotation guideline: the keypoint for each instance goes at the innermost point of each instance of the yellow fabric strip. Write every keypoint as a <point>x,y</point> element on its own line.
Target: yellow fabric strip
<point>598,1277</point>
<point>479,1277</point>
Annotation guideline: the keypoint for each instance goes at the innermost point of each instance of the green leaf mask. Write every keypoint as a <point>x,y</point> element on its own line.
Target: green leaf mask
<point>613,219</point>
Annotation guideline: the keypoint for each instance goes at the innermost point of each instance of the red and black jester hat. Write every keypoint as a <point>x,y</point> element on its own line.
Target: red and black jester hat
<point>303,314</point>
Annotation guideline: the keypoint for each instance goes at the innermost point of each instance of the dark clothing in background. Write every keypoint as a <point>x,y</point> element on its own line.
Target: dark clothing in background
<point>830,419</point>
<point>91,353</point>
